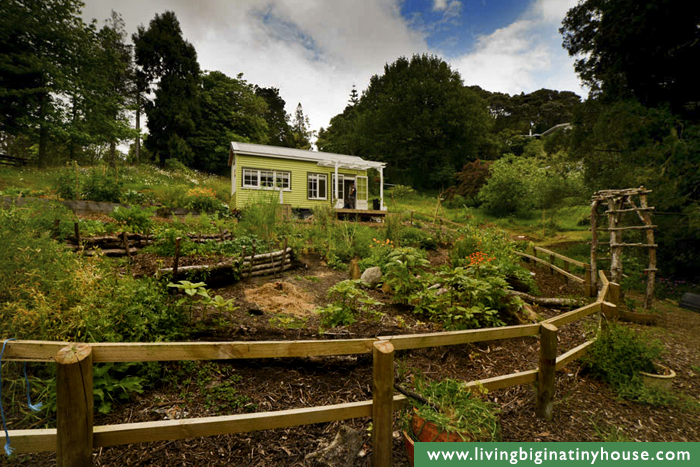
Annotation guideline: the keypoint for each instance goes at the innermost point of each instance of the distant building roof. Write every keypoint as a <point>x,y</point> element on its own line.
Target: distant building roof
<point>323,159</point>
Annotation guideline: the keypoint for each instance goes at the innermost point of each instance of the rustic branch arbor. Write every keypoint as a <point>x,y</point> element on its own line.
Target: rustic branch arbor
<point>620,202</point>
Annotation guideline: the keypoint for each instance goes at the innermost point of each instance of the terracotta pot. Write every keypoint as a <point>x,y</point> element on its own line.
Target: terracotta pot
<point>662,379</point>
<point>410,446</point>
<point>428,432</point>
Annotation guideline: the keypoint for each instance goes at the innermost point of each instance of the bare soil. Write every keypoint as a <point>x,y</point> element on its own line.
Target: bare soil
<point>269,309</point>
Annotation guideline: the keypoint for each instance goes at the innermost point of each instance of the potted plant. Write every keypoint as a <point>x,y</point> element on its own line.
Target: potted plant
<point>447,411</point>
<point>626,359</point>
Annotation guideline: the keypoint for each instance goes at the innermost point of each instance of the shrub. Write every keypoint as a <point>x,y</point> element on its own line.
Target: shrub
<point>349,301</point>
<point>204,199</point>
<point>138,219</point>
<point>401,191</point>
<point>618,355</point>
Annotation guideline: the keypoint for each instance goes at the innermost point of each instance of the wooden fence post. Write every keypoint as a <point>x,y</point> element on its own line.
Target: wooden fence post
<point>382,403</point>
<point>614,293</point>
<point>547,370</point>
<point>74,406</point>
<point>176,258</point>
<point>589,283</point>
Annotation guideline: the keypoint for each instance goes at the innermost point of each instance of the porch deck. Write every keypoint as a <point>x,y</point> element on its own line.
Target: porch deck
<point>360,214</point>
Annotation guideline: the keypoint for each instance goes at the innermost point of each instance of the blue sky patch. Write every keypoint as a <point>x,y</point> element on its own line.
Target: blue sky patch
<point>453,28</point>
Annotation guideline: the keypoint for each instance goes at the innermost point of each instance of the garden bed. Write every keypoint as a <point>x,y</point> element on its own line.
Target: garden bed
<point>585,410</point>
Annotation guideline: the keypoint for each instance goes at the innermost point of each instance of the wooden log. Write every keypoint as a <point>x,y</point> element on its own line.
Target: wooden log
<point>216,267</point>
<point>176,259</point>
<point>636,245</point>
<point>74,404</point>
<point>635,227</point>
<point>76,228</point>
<point>546,372</point>
<point>265,272</point>
<point>631,210</point>
<point>125,241</point>
<point>382,407</point>
<point>545,301</point>
<point>284,254</point>
<point>168,430</point>
<point>594,245</point>
<point>651,270</point>
<point>615,240</point>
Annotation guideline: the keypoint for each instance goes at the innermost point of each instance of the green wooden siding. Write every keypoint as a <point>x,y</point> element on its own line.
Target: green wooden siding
<point>297,197</point>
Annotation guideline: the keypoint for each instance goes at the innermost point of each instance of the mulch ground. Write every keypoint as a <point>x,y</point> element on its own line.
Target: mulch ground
<point>585,410</point>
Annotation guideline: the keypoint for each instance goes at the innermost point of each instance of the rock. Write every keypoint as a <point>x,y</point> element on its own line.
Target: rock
<point>371,277</point>
<point>342,452</point>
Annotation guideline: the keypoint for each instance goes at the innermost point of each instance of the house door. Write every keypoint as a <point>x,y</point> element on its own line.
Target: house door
<point>348,185</point>
<point>362,193</point>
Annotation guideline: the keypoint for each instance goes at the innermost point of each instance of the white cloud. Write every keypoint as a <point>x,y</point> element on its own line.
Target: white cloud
<point>314,51</point>
<point>524,56</point>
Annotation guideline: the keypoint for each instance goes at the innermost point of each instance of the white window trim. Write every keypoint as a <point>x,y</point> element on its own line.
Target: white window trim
<point>259,181</point>
<point>317,176</point>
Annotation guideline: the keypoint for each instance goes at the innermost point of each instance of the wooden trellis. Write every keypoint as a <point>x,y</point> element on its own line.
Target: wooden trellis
<point>618,203</point>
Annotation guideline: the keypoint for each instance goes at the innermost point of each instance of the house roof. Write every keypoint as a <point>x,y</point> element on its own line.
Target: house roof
<point>323,159</point>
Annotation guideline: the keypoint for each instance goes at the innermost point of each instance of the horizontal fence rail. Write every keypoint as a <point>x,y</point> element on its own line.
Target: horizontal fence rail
<point>63,440</point>
<point>586,279</point>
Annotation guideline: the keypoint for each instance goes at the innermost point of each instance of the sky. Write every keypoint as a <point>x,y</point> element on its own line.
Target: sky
<point>315,51</point>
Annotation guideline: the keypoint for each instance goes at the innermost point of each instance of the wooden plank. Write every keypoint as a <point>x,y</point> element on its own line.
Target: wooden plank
<point>32,351</point>
<point>544,402</point>
<point>561,257</point>
<point>439,339</point>
<point>556,268</point>
<point>74,406</point>
<point>26,441</point>
<point>573,354</point>
<point>166,430</point>
<point>635,227</point>
<point>636,245</point>
<point>603,277</point>
<point>171,351</point>
<point>574,315</point>
<point>630,210</point>
<point>506,381</point>
<point>382,408</point>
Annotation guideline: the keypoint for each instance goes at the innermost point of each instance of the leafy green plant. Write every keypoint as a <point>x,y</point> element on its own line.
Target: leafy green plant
<point>111,382</point>
<point>136,218</point>
<point>455,409</point>
<point>617,357</point>
<point>349,301</point>
<point>401,268</point>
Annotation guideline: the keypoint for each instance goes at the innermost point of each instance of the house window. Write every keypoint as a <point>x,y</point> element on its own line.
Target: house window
<point>266,179</point>
<point>317,186</point>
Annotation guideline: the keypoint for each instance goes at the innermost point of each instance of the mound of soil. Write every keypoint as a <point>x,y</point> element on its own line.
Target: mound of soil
<point>280,297</point>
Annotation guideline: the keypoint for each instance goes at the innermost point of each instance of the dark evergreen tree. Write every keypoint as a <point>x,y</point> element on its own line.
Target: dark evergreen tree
<point>230,111</point>
<point>41,47</point>
<point>279,131</point>
<point>168,60</point>
<point>628,48</point>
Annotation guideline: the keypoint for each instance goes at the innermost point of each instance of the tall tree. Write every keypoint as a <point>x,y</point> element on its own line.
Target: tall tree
<point>170,62</point>
<point>40,45</point>
<point>301,132</point>
<point>230,111</point>
<point>628,48</point>
<point>419,117</point>
<point>279,131</point>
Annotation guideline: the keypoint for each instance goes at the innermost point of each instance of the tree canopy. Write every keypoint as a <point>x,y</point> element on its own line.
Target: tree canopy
<point>627,48</point>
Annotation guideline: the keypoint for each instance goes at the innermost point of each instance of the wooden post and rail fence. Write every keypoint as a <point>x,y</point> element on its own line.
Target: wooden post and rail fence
<point>75,437</point>
<point>586,279</point>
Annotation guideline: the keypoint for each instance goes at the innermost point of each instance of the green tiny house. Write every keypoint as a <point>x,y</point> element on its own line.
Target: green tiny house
<point>303,179</point>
